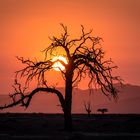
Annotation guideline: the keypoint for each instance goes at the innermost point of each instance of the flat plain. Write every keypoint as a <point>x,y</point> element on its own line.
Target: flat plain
<point>51,126</point>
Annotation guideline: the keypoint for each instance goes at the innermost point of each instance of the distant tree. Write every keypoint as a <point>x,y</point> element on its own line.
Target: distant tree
<point>87,106</point>
<point>102,110</point>
<point>85,57</point>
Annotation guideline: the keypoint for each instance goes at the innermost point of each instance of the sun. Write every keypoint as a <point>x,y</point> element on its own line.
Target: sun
<point>57,65</point>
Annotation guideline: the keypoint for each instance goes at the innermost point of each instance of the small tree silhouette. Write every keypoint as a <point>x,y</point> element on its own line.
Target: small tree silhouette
<point>85,57</point>
<point>87,106</point>
<point>102,110</point>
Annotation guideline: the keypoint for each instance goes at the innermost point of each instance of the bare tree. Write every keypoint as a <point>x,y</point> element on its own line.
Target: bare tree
<point>102,110</point>
<point>87,106</point>
<point>85,58</point>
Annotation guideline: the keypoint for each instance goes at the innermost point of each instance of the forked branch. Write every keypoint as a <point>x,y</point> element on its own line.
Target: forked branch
<point>22,99</point>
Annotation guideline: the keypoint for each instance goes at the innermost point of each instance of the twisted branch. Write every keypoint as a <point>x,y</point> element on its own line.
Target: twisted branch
<point>85,58</point>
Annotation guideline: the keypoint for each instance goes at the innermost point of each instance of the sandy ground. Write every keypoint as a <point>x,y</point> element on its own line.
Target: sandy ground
<point>50,127</point>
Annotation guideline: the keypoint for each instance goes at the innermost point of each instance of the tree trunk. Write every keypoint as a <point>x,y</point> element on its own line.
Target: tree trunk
<point>68,103</point>
<point>88,114</point>
<point>68,120</point>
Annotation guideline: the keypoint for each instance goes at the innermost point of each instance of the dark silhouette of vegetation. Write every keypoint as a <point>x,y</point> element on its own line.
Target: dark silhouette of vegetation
<point>102,110</point>
<point>87,106</point>
<point>85,58</point>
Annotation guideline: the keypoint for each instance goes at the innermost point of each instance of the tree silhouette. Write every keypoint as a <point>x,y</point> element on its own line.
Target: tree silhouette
<point>85,58</point>
<point>87,106</point>
<point>102,110</point>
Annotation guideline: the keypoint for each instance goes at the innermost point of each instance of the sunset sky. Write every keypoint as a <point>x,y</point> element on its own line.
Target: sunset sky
<point>26,24</point>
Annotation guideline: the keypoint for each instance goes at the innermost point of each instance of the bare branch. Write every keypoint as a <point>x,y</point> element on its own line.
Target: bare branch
<point>25,100</point>
<point>87,106</point>
<point>85,57</point>
<point>59,42</point>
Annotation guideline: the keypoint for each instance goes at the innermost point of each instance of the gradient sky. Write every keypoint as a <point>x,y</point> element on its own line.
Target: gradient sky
<point>26,24</point>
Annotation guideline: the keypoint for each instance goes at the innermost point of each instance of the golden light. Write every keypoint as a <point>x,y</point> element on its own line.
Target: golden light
<point>57,65</point>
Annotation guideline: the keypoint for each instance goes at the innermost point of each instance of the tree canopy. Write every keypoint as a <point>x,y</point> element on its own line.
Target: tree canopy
<point>85,58</point>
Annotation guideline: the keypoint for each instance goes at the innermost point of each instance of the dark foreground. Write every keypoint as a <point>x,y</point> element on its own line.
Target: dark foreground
<point>50,127</point>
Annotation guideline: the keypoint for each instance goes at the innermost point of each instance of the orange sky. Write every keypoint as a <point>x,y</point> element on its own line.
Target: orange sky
<point>26,24</point>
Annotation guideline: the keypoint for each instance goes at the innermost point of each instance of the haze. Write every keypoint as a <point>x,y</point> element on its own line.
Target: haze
<point>26,25</point>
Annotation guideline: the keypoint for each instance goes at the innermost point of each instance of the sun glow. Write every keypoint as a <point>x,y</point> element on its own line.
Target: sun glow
<point>57,65</point>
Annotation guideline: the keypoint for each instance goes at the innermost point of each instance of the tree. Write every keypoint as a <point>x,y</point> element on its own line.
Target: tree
<point>87,106</point>
<point>102,110</point>
<point>85,58</point>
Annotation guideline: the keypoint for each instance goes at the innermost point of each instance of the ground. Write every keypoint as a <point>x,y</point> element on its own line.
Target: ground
<point>50,126</point>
